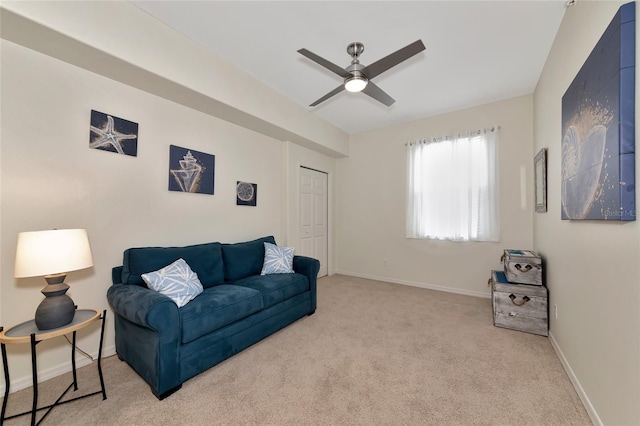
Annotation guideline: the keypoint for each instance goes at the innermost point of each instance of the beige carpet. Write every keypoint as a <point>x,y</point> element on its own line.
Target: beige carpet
<point>373,353</point>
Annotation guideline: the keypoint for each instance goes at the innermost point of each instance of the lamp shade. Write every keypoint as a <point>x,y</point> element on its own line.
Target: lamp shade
<point>57,251</point>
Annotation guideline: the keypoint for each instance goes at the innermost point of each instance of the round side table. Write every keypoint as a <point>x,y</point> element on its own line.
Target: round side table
<point>27,332</point>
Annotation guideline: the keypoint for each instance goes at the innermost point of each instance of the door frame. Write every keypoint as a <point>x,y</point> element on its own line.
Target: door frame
<point>328,210</point>
<point>293,209</point>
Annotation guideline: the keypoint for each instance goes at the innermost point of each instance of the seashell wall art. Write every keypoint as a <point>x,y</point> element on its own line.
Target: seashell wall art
<point>598,121</point>
<point>191,170</point>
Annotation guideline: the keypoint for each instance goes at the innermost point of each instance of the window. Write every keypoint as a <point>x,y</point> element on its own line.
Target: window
<point>452,188</point>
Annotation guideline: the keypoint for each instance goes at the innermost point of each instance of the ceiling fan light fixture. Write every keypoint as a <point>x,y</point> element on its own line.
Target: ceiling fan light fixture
<point>355,84</point>
<point>356,76</point>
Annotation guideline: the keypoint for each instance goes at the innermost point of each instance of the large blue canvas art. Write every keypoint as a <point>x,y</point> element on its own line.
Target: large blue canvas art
<point>598,144</point>
<point>190,170</point>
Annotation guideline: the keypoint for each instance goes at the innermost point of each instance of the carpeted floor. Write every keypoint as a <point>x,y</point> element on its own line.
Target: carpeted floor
<point>373,353</point>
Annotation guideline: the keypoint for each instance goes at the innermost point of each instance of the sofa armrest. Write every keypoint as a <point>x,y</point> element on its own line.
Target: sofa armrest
<point>309,267</point>
<point>144,307</point>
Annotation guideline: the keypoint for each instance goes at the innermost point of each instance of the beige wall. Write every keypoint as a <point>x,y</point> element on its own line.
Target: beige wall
<point>140,51</point>
<point>370,208</point>
<point>52,179</point>
<point>592,267</point>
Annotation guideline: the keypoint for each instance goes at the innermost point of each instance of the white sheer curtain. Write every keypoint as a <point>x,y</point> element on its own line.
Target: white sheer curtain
<point>452,188</point>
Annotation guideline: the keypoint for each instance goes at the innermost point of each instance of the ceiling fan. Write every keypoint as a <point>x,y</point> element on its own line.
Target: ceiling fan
<point>357,77</point>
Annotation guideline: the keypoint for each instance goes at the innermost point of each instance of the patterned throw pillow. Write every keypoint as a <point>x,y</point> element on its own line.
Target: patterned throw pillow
<point>177,281</point>
<point>277,260</point>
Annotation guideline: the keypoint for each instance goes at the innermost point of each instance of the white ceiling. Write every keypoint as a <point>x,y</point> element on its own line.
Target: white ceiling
<point>476,51</point>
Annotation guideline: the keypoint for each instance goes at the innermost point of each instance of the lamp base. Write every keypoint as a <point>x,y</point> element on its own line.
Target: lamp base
<point>57,309</point>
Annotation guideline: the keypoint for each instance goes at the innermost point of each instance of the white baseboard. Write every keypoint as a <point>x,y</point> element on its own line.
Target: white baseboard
<point>595,419</point>
<point>50,373</point>
<point>486,295</point>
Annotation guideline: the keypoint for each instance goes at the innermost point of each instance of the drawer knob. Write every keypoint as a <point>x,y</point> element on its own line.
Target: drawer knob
<point>513,298</point>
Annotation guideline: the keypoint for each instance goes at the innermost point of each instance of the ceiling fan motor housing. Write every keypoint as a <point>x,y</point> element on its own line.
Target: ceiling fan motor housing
<point>356,70</point>
<point>355,49</point>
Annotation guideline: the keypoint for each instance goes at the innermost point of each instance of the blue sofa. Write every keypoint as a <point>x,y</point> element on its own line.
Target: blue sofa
<point>167,345</point>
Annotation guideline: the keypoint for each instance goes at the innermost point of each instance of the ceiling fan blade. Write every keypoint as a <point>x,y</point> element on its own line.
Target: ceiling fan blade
<point>328,95</point>
<point>378,94</point>
<point>327,64</point>
<point>393,59</point>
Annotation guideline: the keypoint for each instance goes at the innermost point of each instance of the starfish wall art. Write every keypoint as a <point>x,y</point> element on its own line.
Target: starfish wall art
<point>113,134</point>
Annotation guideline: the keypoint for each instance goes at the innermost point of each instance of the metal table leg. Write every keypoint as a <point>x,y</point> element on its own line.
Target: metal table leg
<point>104,392</point>
<point>7,382</point>
<point>34,368</point>
<point>73,362</point>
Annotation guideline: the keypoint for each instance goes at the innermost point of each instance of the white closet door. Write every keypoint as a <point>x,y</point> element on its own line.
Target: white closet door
<point>313,216</point>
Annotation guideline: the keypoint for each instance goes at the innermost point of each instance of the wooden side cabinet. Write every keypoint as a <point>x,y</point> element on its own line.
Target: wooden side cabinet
<point>519,306</point>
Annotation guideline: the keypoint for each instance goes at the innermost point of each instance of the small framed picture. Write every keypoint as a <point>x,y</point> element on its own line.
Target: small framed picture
<point>246,194</point>
<point>540,175</point>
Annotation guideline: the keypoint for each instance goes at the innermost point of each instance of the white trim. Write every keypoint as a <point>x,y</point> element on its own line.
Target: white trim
<point>591,411</point>
<point>60,369</point>
<point>473,293</point>
<point>329,197</point>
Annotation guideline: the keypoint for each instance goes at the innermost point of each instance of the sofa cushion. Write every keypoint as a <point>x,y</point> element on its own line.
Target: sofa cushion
<point>204,259</point>
<point>276,288</point>
<point>176,281</point>
<point>277,260</point>
<point>216,307</point>
<point>244,259</point>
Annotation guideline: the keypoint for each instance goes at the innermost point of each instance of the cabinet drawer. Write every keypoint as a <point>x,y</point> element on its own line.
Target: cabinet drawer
<point>515,321</point>
<point>523,266</point>
<point>520,304</point>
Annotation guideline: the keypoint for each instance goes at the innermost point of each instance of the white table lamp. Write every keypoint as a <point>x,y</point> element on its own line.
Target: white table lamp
<point>52,254</point>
